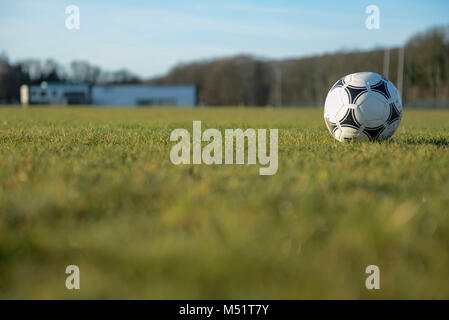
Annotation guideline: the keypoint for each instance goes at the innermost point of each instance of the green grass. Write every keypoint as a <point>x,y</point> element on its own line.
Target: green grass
<point>96,188</point>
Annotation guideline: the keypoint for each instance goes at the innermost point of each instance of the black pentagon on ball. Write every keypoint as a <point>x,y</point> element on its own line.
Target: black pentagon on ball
<point>354,93</point>
<point>381,87</point>
<point>373,133</point>
<point>349,120</point>
<point>394,114</point>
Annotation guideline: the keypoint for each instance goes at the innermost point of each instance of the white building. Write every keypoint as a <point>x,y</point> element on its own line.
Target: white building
<point>144,95</point>
<point>111,95</point>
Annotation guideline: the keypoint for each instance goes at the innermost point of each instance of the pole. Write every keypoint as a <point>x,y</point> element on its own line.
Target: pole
<point>386,62</point>
<point>400,70</point>
<point>278,80</point>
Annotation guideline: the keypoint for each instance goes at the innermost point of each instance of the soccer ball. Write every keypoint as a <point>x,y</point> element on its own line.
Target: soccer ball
<point>362,106</point>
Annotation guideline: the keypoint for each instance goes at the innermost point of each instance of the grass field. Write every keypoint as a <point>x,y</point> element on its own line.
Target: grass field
<point>96,188</point>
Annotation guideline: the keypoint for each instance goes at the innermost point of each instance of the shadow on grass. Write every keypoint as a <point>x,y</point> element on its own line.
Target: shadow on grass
<point>428,140</point>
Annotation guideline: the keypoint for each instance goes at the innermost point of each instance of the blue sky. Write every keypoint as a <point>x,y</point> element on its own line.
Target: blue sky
<point>150,37</point>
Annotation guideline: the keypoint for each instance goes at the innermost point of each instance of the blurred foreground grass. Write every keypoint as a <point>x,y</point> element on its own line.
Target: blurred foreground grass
<point>96,188</point>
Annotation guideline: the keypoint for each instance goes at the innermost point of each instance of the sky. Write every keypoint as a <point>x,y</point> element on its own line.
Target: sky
<point>150,37</point>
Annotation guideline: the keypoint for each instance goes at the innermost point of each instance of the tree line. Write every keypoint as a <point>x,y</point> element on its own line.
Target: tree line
<point>250,81</point>
<point>246,80</point>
